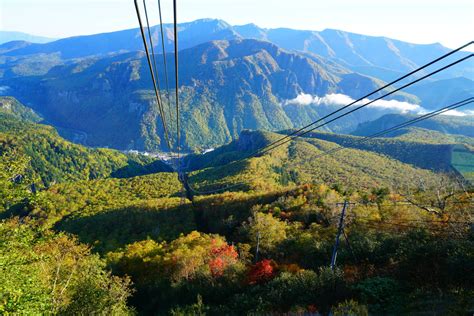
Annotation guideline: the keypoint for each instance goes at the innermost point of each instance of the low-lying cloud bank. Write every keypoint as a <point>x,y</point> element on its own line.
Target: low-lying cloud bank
<point>342,99</point>
<point>4,89</point>
<point>459,113</point>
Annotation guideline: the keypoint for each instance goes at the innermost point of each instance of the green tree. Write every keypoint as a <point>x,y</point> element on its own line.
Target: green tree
<point>266,231</point>
<point>350,308</point>
<point>14,178</point>
<point>47,273</point>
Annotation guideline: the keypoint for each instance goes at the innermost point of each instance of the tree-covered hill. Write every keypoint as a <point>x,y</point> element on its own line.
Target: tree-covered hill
<point>277,242</point>
<point>417,134</point>
<point>457,125</point>
<point>419,147</point>
<point>360,165</point>
<point>54,159</point>
<point>110,213</point>
<point>11,107</point>
<point>422,155</point>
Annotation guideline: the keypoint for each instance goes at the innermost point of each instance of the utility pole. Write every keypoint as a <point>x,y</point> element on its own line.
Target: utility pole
<point>339,232</point>
<point>258,246</point>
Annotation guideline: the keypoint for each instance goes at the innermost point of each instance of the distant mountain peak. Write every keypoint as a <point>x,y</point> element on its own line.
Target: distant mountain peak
<point>250,25</point>
<point>8,36</point>
<point>217,23</point>
<point>13,45</point>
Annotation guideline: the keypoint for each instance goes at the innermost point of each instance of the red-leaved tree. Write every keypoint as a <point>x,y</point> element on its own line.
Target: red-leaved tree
<point>262,271</point>
<point>221,258</point>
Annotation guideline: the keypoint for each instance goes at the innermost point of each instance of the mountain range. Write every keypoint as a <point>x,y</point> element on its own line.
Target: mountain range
<point>366,54</point>
<point>231,78</point>
<point>8,36</point>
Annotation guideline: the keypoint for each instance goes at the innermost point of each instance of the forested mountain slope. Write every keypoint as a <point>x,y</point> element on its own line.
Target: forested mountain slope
<point>226,86</point>
<point>54,159</point>
<point>439,152</point>
<point>11,107</point>
<point>423,155</point>
<point>301,161</point>
<point>434,95</point>
<point>455,125</point>
<point>236,250</point>
<point>232,78</point>
<point>430,136</point>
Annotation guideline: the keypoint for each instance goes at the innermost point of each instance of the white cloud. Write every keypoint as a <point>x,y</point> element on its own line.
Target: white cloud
<point>396,105</point>
<point>4,89</point>
<point>342,99</point>
<point>455,113</point>
<point>302,98</point>
<point>329,99</point>
<point>334,99</point>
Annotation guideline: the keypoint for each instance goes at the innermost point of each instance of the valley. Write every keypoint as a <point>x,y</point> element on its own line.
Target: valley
<point>232,79</point>
<point>138,222</point>
<point>259,191</point>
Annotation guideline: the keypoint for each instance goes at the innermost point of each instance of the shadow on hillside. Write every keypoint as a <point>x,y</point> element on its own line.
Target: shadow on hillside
<point>462,160</point>
<point>223,213</point>
<point>20,209</point>
<point>113,229</point>
<point>133,169</point>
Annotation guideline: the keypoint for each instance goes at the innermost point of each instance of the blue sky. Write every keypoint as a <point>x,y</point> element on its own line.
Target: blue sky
<point>419,21</point>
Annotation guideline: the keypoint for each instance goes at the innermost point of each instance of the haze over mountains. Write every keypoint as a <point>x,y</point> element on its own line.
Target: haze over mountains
<point>367,54</point>
<point>232,78</point>
<point>8,36</point>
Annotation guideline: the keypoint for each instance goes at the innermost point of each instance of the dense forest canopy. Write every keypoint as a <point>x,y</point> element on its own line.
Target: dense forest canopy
<point>256,238</point>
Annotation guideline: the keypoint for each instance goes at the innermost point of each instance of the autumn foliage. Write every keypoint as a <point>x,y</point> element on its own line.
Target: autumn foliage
<point>221,258</point>
<point>261,272</point>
